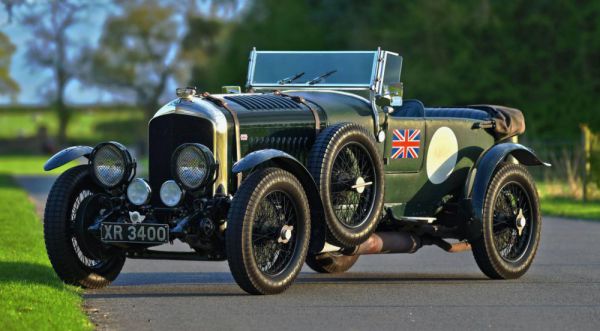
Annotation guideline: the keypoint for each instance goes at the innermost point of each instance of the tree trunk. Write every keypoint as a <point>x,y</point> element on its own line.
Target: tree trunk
<point>62,111</point>
<point>64,115</point>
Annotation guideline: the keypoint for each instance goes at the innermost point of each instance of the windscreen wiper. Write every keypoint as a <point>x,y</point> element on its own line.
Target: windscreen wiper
<point>320,78</point>
<point>290,79</point>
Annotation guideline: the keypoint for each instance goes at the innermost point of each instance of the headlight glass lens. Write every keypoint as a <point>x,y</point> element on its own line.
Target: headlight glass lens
<point>170,193</point>
<point>138,192</point>
<point>194,164</point>
<point>109,165</point>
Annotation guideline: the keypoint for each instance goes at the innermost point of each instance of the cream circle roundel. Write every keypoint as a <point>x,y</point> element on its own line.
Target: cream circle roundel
<point>441,155</point>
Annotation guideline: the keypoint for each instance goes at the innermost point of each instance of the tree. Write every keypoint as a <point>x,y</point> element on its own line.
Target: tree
<point>7,84</point>
<point>53,48</point>
<point>202,45</point>
<point>138,52</point>
<point>538,55</point>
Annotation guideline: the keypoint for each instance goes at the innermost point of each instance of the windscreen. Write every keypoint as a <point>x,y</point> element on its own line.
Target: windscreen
<point>314,68</point>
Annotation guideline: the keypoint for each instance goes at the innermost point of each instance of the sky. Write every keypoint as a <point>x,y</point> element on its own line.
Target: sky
<point>33,80</point>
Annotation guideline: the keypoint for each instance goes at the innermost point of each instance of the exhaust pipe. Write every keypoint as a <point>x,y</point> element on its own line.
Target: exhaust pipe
<point>403,242</point>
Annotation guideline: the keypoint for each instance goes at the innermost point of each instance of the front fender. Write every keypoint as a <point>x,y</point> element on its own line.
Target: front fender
<point>291,164</point>
<point>67,155</point>
<point>481,175</point>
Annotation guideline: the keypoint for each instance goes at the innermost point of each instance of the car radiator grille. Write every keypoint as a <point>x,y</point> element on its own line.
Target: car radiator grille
<point>166,133</point>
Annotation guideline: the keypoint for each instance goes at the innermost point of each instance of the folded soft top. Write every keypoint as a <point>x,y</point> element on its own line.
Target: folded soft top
<point>508,122</point>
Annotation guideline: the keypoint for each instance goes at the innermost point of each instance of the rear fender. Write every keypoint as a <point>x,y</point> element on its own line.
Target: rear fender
<point>67,155</point>
<point>481,174</point>
<point>291,164</point>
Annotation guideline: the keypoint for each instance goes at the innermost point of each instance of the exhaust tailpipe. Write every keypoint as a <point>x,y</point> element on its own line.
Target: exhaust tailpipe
<point>403,242</point>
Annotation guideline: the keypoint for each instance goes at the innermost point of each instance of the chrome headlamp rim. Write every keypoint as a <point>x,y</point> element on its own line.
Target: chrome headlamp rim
<point>211,166</point>
<point>129,164</point>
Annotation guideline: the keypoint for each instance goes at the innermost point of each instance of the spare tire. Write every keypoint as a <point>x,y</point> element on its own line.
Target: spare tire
<point>348,170</point>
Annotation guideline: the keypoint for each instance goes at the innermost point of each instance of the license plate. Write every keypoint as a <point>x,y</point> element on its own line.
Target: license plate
<point>134,233</point>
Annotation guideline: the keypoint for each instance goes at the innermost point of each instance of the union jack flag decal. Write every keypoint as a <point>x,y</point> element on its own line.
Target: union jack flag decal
<point>406,144</point>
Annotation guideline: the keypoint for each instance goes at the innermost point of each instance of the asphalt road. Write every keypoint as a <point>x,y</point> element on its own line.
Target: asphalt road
<point>430,290</point>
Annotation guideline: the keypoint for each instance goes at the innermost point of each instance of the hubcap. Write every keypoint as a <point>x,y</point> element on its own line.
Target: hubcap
<point>521,222</point>
<point>360,185</point>
<point>285,234</point>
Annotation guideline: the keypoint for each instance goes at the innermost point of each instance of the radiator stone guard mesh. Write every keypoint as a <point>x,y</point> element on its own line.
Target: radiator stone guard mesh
<point>263,102</point>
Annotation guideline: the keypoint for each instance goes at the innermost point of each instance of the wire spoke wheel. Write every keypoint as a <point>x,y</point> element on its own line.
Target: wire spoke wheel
<point>511,224</point>
<point>347,167</point>
<point>76,255</point>
<point>276,214</point>
<point>268,231</point>
<point>511,202</point>
<point>351,202</point>
<point>83,258</point>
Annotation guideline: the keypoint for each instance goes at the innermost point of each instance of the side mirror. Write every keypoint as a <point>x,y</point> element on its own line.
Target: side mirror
<point>392,96</point>
<point>383,100</point>
<point>396,92</point>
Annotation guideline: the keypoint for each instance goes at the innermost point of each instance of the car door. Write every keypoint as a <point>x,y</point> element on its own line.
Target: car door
<point>405,138</point>
<point>404,153</point>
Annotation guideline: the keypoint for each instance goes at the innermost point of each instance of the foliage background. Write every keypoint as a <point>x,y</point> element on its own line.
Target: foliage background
<point>539,56</point>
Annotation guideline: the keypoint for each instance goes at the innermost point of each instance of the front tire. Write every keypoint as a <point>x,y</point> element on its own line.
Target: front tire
<point>511,224</point>
<point>69,197</point>
<point>268,231</point>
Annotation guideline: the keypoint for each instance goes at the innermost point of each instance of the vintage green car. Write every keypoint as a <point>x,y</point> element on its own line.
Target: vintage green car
<point>320,161</point>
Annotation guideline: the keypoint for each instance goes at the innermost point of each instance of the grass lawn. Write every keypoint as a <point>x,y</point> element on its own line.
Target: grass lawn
<point>34,165</point>
<point>127,126</point>
<point>570,208</point>
<point>30,165</point>
<point>31,295</point>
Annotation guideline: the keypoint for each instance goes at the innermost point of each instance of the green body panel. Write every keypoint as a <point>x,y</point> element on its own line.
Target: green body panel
<point>408,190</point>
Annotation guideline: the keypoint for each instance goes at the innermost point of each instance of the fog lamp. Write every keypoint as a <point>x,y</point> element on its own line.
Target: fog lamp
<point>138,192</point>
<point>170,193</point>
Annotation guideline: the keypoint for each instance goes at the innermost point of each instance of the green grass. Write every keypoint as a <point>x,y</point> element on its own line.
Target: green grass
<point>86,125</point>
<point>29,165</point>
<point>570,208</point>
<point>32,296</point>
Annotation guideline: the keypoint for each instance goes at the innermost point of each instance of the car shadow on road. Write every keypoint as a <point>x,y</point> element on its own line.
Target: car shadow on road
<point>28,272</point>
<point>222,284</point>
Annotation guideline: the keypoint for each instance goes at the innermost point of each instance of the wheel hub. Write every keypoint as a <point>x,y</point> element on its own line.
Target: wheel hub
<point>360,184</point>
<point>520,221</point>
<point>285,234</point>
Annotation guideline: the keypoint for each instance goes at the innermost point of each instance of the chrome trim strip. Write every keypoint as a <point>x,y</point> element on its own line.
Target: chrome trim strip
<point>361,98</point>
<point>204,109</point>
<point>251,64</point>
<point>375,90</point>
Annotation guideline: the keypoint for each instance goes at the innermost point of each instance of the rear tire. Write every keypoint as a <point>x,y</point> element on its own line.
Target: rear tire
<point>502,252</point>
<point>69,258</point>
<point>348,170</point>
<point>331,263</point>
<point>268,231</point>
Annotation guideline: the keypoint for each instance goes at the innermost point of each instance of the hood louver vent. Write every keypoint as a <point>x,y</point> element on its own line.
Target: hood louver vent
<point>263,102</point>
